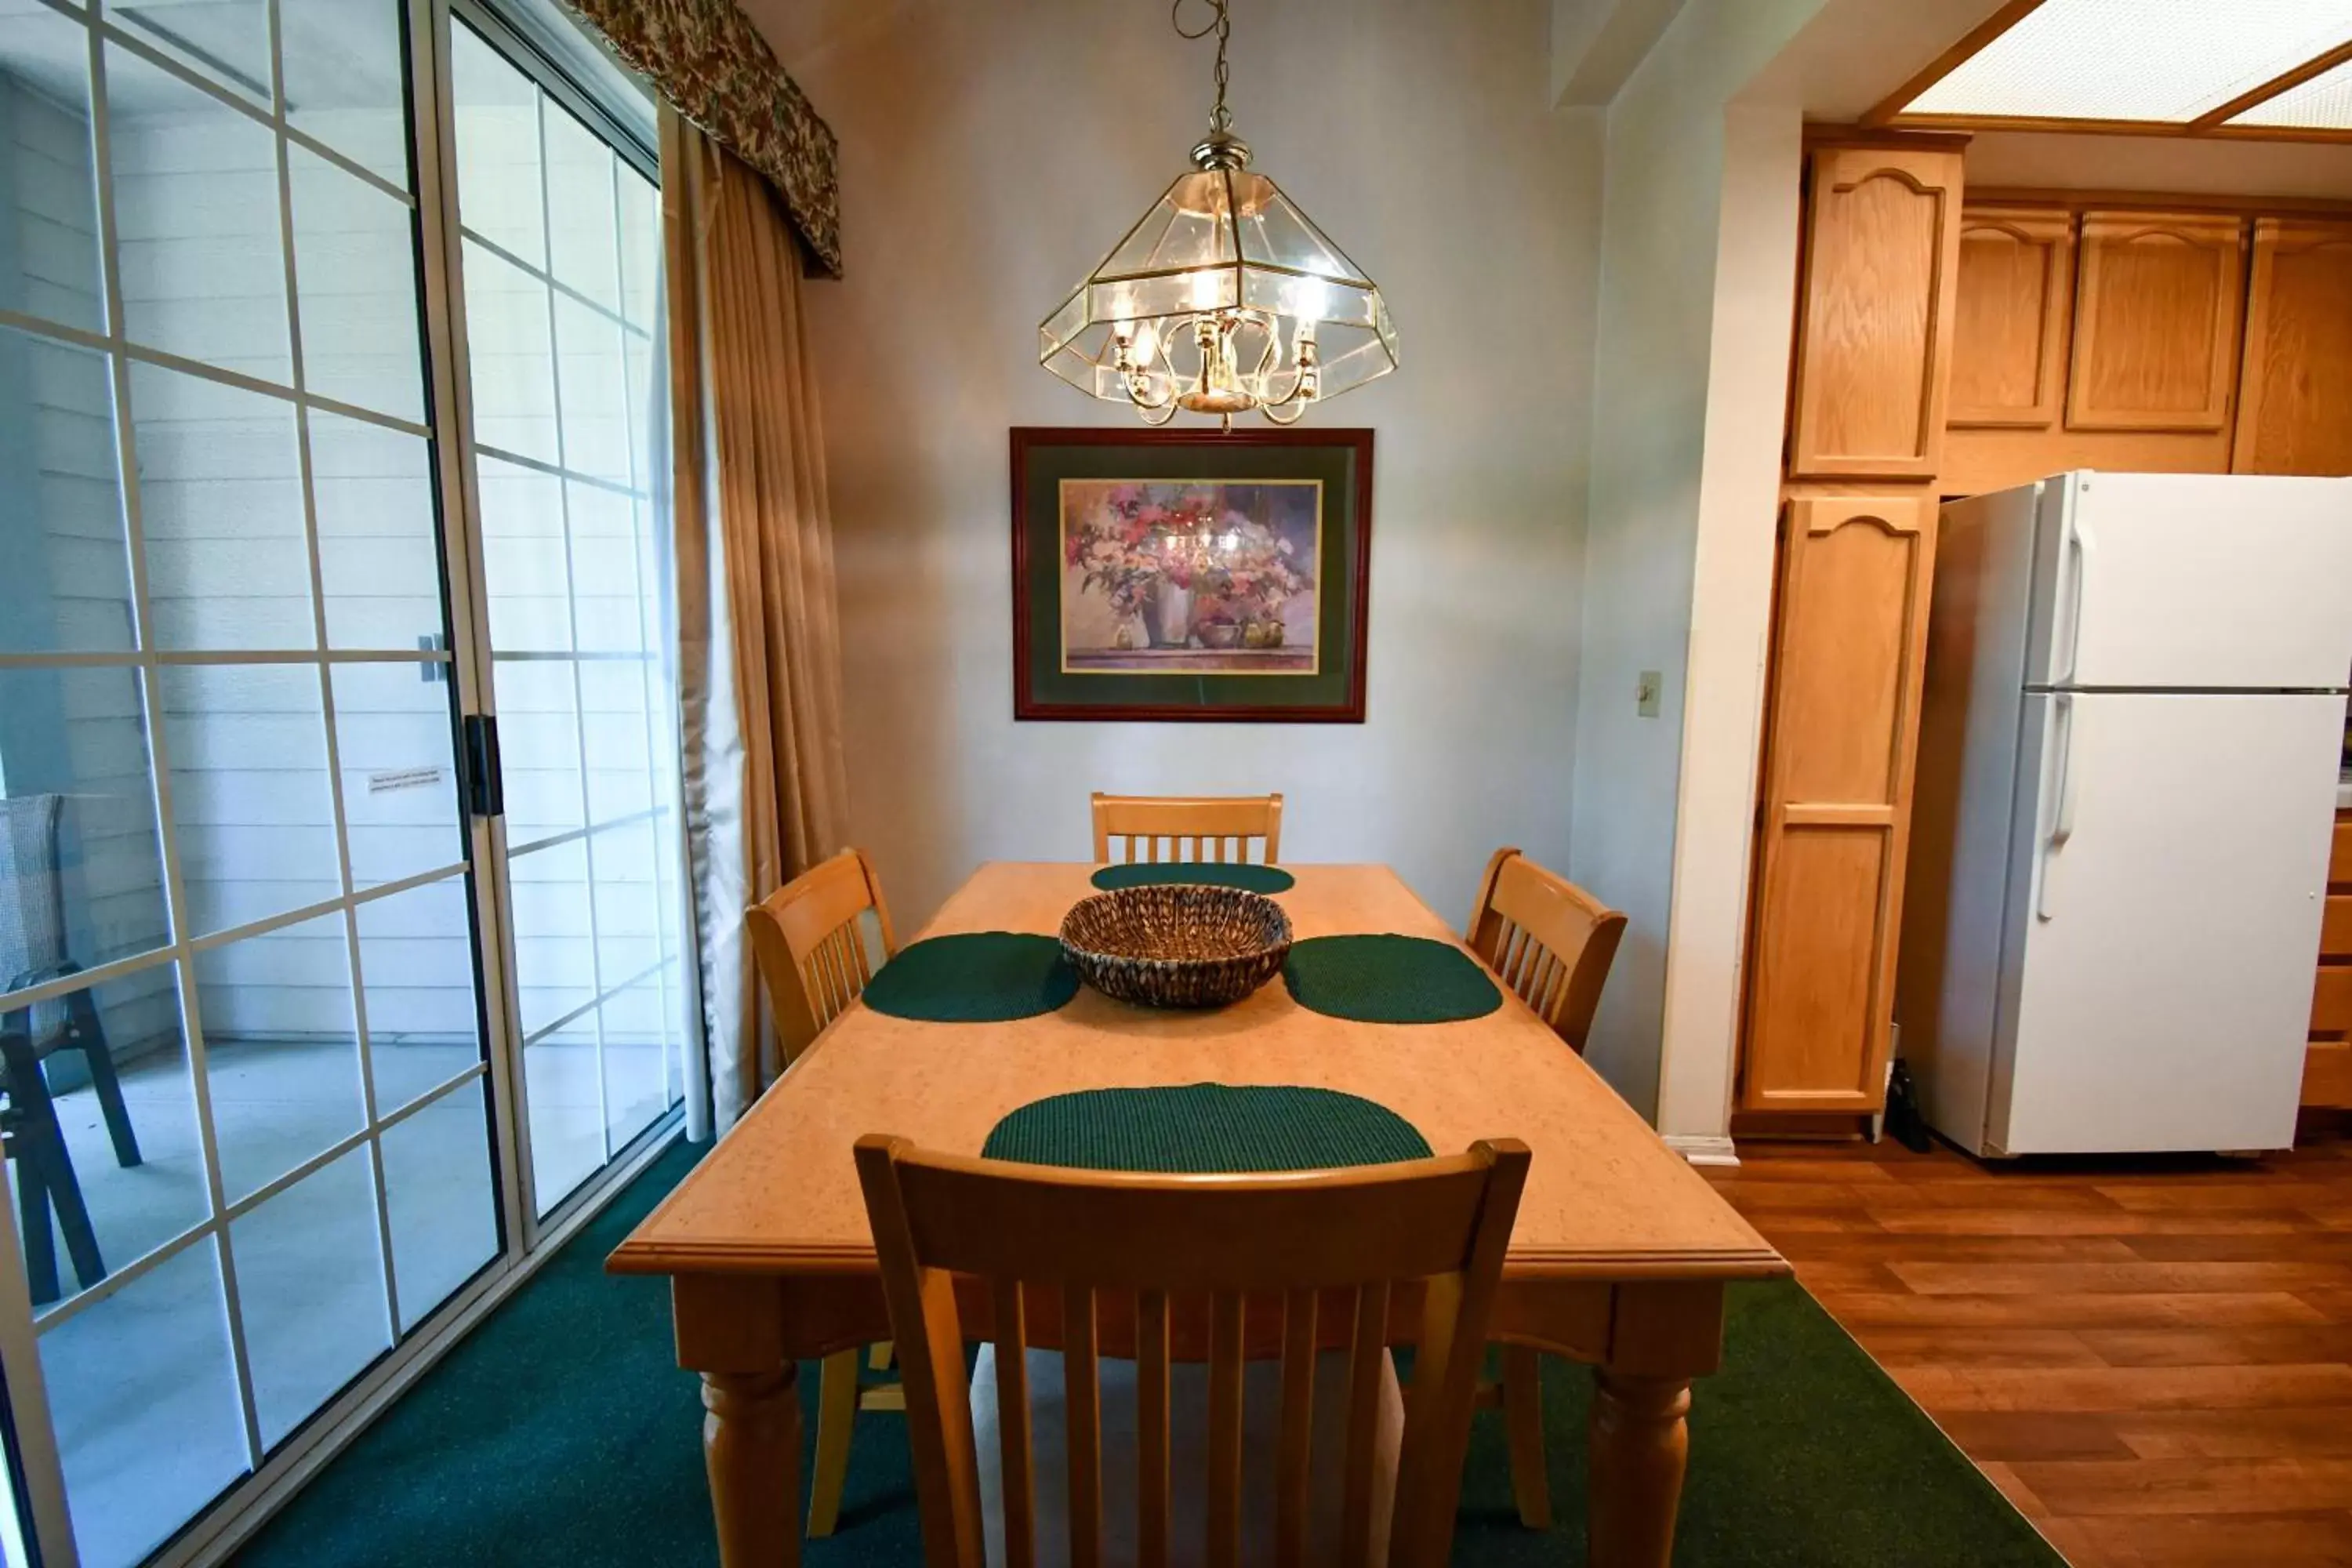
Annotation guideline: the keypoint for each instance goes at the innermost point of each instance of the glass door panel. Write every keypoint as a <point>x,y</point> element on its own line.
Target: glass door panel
<point>242,1058</point>
<point>556,260</point>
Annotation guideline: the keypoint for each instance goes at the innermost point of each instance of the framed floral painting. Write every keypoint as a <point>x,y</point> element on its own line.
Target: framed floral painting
<point>1190,574</point>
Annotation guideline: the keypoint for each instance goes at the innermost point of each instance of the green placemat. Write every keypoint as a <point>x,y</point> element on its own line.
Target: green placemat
<point>1205,1128</point>
<point>1231,873</point>
<point>979,977</point>
<point>1389,980</point>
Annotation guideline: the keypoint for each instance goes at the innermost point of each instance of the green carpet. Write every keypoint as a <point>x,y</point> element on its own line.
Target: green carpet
<point>1206,873</point>
<point>1388,979</point>
<point>1205,1127</point>
<point>561,1435</point>
<point>976,978</point>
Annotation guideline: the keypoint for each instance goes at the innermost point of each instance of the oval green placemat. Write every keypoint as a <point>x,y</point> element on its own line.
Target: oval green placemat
<point>1389,980</point>
<point>1230,874</point>
<point>1205,1128</point>
<point>978,977</point>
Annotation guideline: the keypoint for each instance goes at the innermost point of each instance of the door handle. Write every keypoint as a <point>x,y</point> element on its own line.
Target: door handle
<point>2070,786</point>
<point>486,784</point>
<point>2081,545</point>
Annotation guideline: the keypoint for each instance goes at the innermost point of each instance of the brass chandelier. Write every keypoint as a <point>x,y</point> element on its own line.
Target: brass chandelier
<point>1222,298</point>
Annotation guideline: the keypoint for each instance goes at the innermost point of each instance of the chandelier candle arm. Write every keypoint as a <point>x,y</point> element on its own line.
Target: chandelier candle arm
<point>1207,296</point>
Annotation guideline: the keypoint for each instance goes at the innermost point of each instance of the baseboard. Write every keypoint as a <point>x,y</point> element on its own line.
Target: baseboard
<point>1701,1150</point>
<point>1803,1126</point>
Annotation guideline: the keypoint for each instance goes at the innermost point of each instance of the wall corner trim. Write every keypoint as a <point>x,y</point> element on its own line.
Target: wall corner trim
<point>1703,1150</point>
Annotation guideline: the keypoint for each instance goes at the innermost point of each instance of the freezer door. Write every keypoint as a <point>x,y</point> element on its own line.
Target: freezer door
<point>2194,580</point>
<point>2170,922</point>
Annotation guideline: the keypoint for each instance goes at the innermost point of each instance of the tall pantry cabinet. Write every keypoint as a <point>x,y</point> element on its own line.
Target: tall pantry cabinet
<point>1875,304</point>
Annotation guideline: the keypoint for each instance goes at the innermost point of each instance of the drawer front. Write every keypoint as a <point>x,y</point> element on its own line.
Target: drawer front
<point>2336,927</point>
<point>2331,1001</point>
<point>2339,863</point>
<point>2327,1077</point>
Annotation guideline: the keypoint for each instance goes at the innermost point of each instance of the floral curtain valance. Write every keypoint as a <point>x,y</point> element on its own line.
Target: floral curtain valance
<point>707,60</point>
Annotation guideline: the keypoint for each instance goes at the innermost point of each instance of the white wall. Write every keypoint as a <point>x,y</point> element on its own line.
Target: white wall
<point>1662,427</point>
<point>989,156</point>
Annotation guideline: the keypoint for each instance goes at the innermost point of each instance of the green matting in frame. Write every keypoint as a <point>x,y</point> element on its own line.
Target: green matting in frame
<point>1190,574</point>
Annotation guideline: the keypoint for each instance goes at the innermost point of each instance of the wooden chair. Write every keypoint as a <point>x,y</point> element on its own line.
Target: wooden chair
<point>1197,827</point>
<point>809,936</point>
<point>1108,1262</point>
<point>1551,942</point>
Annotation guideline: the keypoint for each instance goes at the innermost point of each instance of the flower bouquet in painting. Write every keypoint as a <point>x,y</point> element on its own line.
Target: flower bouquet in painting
<point>1207,577</point>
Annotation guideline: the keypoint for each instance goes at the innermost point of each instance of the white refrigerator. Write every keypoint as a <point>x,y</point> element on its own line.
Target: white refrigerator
<point>2134,711</point>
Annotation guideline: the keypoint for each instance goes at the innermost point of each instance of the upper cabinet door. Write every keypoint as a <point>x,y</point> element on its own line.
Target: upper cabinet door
<point>2017,287</point>
<point>2294,400</point>
<point>2156,321</point>
<point>1875,342</point>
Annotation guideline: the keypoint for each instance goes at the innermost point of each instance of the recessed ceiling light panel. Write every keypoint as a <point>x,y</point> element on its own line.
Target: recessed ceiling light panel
<point>2160,60</point>
<point>2322,103</point>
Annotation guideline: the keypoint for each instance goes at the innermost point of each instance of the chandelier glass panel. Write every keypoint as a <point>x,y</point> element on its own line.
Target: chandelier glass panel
<point>1222,299</point>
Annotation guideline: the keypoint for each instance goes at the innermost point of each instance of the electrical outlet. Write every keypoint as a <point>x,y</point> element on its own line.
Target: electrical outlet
<point>1646,693</point>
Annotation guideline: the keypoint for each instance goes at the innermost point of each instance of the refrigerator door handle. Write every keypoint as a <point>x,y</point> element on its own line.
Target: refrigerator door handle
<point>2062,826</point>
<point>2082,545</point>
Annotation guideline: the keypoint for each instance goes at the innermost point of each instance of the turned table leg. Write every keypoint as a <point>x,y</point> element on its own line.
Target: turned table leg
<point>752,1446</point>
<point>1639,1448</point>
<point>1662,1334</point>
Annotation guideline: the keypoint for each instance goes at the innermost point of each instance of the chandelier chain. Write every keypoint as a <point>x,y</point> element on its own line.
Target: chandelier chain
<point>1221,119</point>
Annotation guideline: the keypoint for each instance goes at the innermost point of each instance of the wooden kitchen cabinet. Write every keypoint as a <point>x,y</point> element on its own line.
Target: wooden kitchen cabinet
<point>1842,721</point>
<point>2015,301</point>
<point>2295,392</point>
<point>2156,321</point>
<point>1874,329</point>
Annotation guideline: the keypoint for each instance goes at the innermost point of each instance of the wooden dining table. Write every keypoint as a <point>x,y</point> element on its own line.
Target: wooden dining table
<point>1619,1259</point>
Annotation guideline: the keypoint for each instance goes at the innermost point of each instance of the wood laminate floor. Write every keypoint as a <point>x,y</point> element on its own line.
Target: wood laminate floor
<point>2153,1358</point>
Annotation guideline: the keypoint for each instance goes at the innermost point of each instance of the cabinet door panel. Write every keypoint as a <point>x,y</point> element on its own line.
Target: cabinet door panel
<point>2156,321</point>
<point>2008,335</point>
<point>2294,397</point>
<point>1849,650</point>
<point>1875,344</point>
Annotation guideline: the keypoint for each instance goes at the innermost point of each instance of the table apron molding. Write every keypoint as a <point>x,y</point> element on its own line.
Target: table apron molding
<point>753,1261</point>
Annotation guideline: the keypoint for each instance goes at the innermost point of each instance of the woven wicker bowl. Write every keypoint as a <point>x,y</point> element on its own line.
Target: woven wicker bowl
<point>1177,945</point>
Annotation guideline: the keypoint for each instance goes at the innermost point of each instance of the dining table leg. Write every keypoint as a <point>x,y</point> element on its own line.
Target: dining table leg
<point>752,1448</point>
<point>1639,1448</point>
<point>1661,1336</point>
<point>729,1330</point>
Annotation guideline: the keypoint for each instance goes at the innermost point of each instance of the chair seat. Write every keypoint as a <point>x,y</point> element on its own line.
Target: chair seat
<point>1188,1397</point>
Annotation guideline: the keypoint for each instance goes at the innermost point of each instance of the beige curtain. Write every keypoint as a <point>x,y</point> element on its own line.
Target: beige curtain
<point>759,649</point>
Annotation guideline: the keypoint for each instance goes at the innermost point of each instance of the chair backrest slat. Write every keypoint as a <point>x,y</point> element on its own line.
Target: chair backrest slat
<point>1192,828</point>
<point>1295,1443</point>
<point>1548,940</point>
<point>1225,1429</point>
<point>1154,1511</point>
<point>1367,1340</point>
<point>32,897</point>
<point>1082,1391</point>
<point>1170,1245</point>
<point>1017,1458</point>
<point>810,938</point>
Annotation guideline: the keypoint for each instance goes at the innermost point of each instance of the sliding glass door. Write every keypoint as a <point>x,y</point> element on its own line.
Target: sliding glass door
<point>301,487</point>
<point>559,239</point>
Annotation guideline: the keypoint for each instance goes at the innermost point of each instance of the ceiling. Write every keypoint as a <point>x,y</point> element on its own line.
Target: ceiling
<point>2275,69</point>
